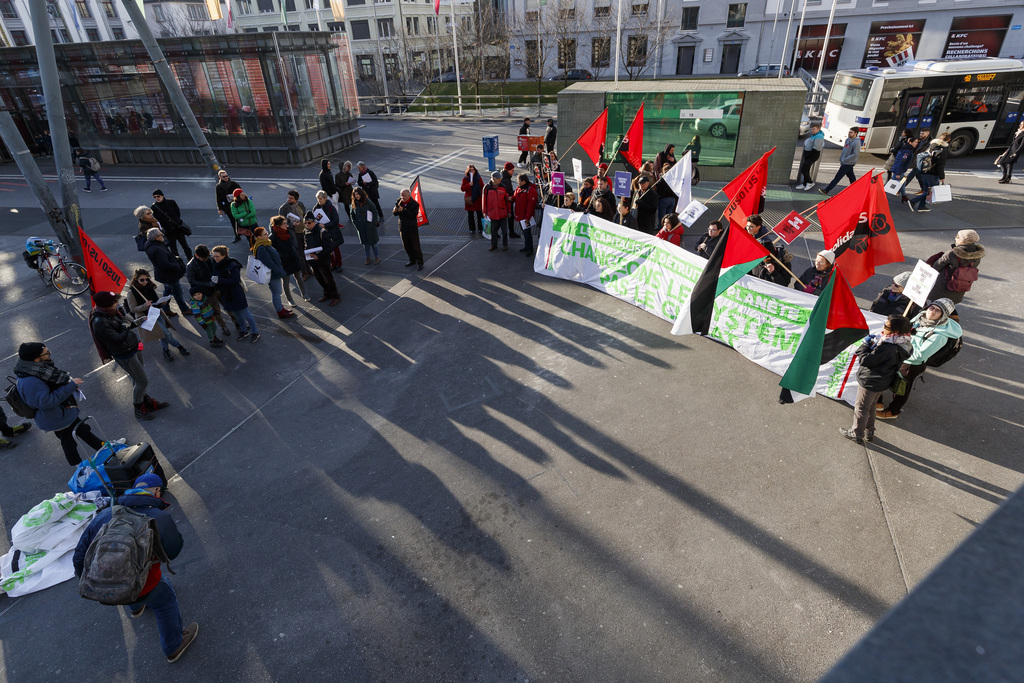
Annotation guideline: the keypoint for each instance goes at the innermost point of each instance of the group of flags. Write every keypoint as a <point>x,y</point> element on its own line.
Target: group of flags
<point>857,227</point>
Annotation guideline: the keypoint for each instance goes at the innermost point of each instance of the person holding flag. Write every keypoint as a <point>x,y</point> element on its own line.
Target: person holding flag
<point>880,356</point>
<point>407,209</point>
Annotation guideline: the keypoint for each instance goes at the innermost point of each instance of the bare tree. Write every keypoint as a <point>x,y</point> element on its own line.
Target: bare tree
<point>179,19</point>
<point>533,42</point>
<point>643,36</point>
<point>565,25</point>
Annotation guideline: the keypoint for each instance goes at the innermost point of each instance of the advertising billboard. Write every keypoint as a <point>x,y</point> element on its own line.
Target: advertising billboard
<point>975,37</point>
<point>812,42</point>
<point>892,43</point>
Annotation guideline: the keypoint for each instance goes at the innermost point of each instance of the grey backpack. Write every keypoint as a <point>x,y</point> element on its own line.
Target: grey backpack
<point>118,560</point>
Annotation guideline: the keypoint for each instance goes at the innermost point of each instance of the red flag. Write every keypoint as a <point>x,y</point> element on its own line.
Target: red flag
<point>593,137</point>
<point>437,7</point>
<point>859,229</point>
<point>104,276</point>
<point>745,191</point>
<point>633,144</point>
<point>417,194</point>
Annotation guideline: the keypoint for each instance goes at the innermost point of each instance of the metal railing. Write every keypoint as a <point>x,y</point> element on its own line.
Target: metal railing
<point>816,96</point>
<point>453,105</point>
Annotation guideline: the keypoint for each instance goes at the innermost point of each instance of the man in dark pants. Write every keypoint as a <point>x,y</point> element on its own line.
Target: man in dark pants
<point>647,207</point>
<point>167,212</point>
<point>225,188</point>
<point>316,235</point>
<point>157,594</point>
<point>368,181</point>
<point>407,208</point>
<point>847,160</point>
<point>7,430</point>
<point>550,136</point>
<point>199,272</point>
<point>524,130</point>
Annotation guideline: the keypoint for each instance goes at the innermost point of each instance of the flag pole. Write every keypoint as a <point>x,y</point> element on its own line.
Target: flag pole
<point>455,46</point>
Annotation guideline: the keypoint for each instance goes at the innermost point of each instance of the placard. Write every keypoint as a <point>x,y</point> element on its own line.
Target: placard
<point>557,182</point>
<point>577,170</point>
<point>920,284</point>
<point>692,212</point>
<point>790,227</point>
<point>622,180</point>
<point>530,143</point>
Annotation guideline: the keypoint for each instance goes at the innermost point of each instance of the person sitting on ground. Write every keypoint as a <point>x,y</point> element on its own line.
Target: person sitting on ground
<point>815,278</point>
<point>966,252</point>
<point>672,229</point>
<point>707,243</point>
<point>892,300</point>
<point>624,214</point>
<point>932,329</point>
<point>880,356</point>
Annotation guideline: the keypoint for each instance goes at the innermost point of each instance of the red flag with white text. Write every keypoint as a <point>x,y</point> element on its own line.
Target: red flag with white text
<point>103,275</point>
<point>745,191</point>
<point>417,194</point>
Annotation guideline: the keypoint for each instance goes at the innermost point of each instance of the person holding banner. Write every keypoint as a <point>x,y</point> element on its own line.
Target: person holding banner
<point>647,207</point>
<point>624,215</point>
<point>707,243</point>
<point>602,208</point>
<point>524,206</point>
<point>496,208</point>
<point>667,199</point>
<point>815,278</point>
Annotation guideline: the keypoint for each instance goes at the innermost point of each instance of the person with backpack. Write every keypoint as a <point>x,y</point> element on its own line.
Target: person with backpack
<point>50,392</point>
<point>228,278</point>
<point>263,249</point>
<point>106,535</point>
<point>90,169</point>
<point>958,268</point>
<point>847,160</point>
<point>936,339</point>
<point>7,431</point>
<point>880,356</point>
<point>932,166</point>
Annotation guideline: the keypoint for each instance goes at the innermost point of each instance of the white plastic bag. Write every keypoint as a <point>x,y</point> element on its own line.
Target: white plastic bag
<point>894,185</point>
<point>941,193</point>
<point>257,271</point>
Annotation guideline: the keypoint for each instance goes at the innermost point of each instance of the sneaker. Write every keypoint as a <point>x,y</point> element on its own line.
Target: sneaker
<point>167,355</point>
<point>21,429</point>
<point>142,412</point>
<point>255,338</point>
<point>886,415</point>
<point>809,186</point>
<point>225,331</point>
<point>103,189</point>
<point>870,436</point>
<point>136,613</point>
<point>216,342</point>
<point>86,190</point>
<point>187,636</point>
<point>851,435</point>
<point>183,351</point>
<point>241,336</point>
<point>4,443</point>
<point>924,210</point>
<point>910,205</point>
<point>155,404</point>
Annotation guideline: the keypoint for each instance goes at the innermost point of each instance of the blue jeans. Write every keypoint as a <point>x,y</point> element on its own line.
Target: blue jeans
<point>928,181</point>
<point>845,170</point>
<point>246,322</point>
<point>368,247</point>
<point>666,205</point>
<point>174,288</point>
<point>911,174</point>
<point>164,603</point>
<point>168,339</point>
<point>89,177</point>
<point>275,293</point>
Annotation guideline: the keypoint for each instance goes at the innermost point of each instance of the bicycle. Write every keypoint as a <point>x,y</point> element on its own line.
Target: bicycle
<point>65,275</point>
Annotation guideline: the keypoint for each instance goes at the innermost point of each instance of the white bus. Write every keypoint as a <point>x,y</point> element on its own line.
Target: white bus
<point>977,101</point>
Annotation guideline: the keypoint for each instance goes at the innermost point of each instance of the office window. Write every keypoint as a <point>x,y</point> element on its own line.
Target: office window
<point>118,33</point>
<point>566,54</point>
<point>292,27</point>
<point>336,26</point>
<point>639,9</point>
<point>84,11</point>
<point>737,15</point>
<point>600,51</point>
<point>250,29</point>
<point>19,37</point>
<point>244,7</point>
<point>53,36</point>
<point>7,10</point>
<point>366,67</point>
<point>360,29</point>
<point>52,9</point>
<point>386,28</point>
<point>92,34</point>
<point>431,25</point>
<point>636,51</point>
<point>603,11</point>
<point>412,26</point>
<point>689,19</point>
<point>108,8</point>
<point>356,2</point>
<point>313,27</point>
<point>533,16</point>
<point>270,29</point>
<point>310,4</point>
<point>65,37</point>
<point>568,13</point>
<point>266,6</point>
<point>197,12</point>
<point>158,13</point>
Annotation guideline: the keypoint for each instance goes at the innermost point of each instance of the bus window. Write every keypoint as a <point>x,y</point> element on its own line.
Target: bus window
<point>975,104</point>
<point>888,108</point>
<point>850,92</point>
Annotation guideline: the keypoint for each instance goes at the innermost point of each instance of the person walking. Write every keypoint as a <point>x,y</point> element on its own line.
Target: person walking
<point>907,134</point>
<point>813,145</point>
<point>880,356</point>
<point>142,297</point>
<point>168,268</point>
<point>524,130</point>
<point>550,137</point>
<point>228,272</point>
<point>115,338</point>
<point>282,240</point>
<point>157,593</point>
<point>327,180</point>
<point>932,168</point>
<point>293,210</point>
<point>244,212</point>
<point>225,193</point>
<point>407,209</point>
<point>90,169</point>
<point>902,160</point>
<point>496,208</point>
<point>847,160</point>
<point>318,241</point>
<point>365,220</point>
<point>51,392</point>
<point>932,329</point>
<point>472,192</point>
<point>368,181</point>
<point>524,205</point>
<point>168,215</point>
<point>264,250</point>
<point>957,267</point>
<point>199,273</point>
<point>327,215</point>
<point>344,181</point>
<point>1007,159</point>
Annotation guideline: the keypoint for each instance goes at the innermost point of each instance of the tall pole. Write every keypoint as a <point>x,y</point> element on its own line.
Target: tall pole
<point>660,37</point>
<point>775,22</point>
<point>824,48</point>
<point>437,40</point>
<point>455,45</point>
<point>799,33</point>
<point>383,61</point>
<point>163,70</point>
<point>785,43</point>
<point>50,80</point>
<point>34,177</point>
<point>618,39</point>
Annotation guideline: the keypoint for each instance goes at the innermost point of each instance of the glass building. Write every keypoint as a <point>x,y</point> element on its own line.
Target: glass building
<point>261,98</point>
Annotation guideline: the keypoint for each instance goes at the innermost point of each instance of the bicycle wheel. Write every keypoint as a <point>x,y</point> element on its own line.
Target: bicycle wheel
<point>70,279</point>
<point>44,269</point>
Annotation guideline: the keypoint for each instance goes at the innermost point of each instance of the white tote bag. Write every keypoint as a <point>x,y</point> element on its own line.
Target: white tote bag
<point>941,193</point>
<point>894,185</point>
<point>256,271</point>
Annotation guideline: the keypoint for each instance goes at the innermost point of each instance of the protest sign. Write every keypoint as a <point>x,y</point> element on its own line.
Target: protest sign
<point>790,227</point>
<point>557,182</point>
<point>577,170</point>
<point>530,143</point>
<point>692,212</point>
<point>920,284</point>
<point>622,180</point>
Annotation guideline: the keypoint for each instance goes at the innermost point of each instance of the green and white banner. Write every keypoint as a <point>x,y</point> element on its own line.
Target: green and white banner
<point>760,319</point>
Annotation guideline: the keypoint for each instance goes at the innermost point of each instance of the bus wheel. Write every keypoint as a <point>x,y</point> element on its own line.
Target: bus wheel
<point>962,143</point>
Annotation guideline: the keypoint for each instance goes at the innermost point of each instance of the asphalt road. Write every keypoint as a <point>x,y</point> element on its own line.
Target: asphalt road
<point>480,473</point>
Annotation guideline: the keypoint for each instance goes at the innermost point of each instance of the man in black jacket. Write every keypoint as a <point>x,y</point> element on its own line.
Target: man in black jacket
<point>707,243</point>
<point>199,272</point>
<point>168,267</point>
<point>166,211</point>
<point>646,207</point>
<point>115,337</point>
<point>157,593</point>
<point>880,356</point>
<point>407,208</point>
<point>550,136</point>
<point>315,236</point>
<point>327,180</point>
<point>225,188</point>
<point>368,181</point>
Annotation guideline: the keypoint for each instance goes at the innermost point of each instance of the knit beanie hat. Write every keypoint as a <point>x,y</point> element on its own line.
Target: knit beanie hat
<point>946,305</point>
<point>30,350</point>
<point>828,255</point>
<point>104,299</point>
<point>967,237</point>
<point>158,192</point>
<point>237,192</point>
<point>902,279</point>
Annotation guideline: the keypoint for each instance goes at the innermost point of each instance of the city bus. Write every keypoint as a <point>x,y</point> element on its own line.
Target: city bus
<point>977,101</point>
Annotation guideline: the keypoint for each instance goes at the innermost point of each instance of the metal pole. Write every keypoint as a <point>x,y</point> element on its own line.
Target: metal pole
<point>455,45</point>
<point>660,37</point>
<point>775,22</point>
<point>824,48</point>
<point>618,39</point>
<point>785,43</point>
<point>284,88</point>
<point>50,80</point>
<point>163,70</point>
<point>799,33</point>
<point>34,177</point>
<point>383,61</point>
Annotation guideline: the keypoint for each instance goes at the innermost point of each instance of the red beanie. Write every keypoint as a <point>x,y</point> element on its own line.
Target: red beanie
<point>236,193</point>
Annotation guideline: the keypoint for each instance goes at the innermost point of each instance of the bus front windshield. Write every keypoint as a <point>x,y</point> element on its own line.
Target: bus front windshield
<point>850,92</point>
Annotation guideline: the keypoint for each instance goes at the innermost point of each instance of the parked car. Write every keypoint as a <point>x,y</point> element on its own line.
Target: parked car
<point>729,124</point>
<point>573,75</point>
<point>448,77</point>
<point>766,71</point>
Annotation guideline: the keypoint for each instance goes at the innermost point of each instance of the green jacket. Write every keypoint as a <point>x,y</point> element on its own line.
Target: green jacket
<point>244,213</point>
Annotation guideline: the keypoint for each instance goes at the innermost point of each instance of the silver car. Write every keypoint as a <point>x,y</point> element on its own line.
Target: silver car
<point>729,124</point>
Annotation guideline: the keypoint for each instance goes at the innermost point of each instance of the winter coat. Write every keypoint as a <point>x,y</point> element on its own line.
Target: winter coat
<point>966,255</point>
<point>473,192</point>
<point>647,212</point>
<point>675,235</point>
<point>902,158</point>
<point>244,213</point>
<point>627,220</point>
<point>139,298</point>
<point>285,248</point>
<point>229,283</point>
<point>524,202</point>
<point>372,187</point>
<point>55,409</point>
<point>169,216</point>
<point>550,136</point>
<point>343,181</point>
<point>167,268</point>
<point>927,340</point>
<point>407,215</point>
<point>779,276</point>
<point>270,258</point>
<point>887,304</point>
<point>115,333</point>
<point>1014,151</point>
<point>199,273</point>
<point>664,157</point>
<point>333,223</point>
<point>296,209</point>
<point>224,191</point>
<point>939,151</point>
<point>506,182</point>
<point>319,236</point>
<point>814,280</point>
<point>327,180</point>
<point>710,242</point>
<point>495,202</point>
<point>879,363</point>
<point>366,228</point>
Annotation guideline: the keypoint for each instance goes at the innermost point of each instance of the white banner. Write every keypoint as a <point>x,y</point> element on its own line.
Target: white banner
<point>760,319</point>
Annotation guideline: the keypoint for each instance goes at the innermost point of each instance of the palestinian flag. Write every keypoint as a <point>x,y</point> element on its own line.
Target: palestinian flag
<point>836,322</point>
<point>733,257</point>
<point>417,194</point>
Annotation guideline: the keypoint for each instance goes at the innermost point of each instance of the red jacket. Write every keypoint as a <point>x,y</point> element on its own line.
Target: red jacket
<point>524,202</point>
<point>473,192</point>
<point>495,202</point>
<point>675,235</point>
